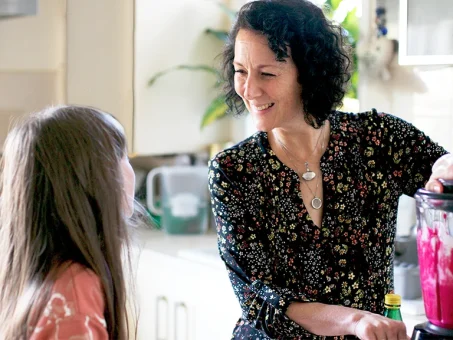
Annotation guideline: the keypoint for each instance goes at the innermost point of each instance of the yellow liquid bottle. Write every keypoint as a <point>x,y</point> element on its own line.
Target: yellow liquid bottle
<point>392,305</point>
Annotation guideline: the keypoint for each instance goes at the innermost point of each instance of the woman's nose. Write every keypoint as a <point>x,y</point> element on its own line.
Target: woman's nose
<point>252,88</point>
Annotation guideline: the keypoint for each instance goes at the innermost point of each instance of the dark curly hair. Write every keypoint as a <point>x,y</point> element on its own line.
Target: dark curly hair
<point>318,49</point>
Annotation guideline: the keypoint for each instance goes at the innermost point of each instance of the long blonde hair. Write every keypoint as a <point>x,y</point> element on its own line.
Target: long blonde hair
<point>61,192</point>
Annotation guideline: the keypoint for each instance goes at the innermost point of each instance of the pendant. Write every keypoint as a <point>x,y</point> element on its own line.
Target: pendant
<point>308,175</point>
<point>316,203</point>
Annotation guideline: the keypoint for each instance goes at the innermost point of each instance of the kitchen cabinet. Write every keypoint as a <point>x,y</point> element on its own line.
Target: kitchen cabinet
<point>180,298</point>
<point>99,57</point>
<point>32,62</point>
<point>103,53</point>
<point>426,32</point>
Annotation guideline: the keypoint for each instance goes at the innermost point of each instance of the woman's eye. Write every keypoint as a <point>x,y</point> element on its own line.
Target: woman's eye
<point>268,74</point>
<point>239,71</point>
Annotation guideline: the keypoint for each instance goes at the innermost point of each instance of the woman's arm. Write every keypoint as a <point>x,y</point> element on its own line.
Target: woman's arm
<point>406,153</point>
<point>330,320</point>
<point>244,247</point>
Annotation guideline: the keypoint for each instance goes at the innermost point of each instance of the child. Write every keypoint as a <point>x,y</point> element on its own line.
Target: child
<point>66,190</point>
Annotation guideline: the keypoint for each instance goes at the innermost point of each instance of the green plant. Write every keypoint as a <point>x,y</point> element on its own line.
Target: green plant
<point>217,108</point>
<point>349,21</point>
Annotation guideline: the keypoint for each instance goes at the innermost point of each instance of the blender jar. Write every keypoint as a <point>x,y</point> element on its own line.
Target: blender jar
<point>435,253</point>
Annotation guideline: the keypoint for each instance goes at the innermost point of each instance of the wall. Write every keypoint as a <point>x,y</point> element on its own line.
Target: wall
<point>32,62</point>
<point>168,114</point>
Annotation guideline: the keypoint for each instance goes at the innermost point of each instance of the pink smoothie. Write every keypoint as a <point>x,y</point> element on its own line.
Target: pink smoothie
<point>435,254</point>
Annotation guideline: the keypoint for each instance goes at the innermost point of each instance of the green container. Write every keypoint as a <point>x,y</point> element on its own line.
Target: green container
<point>182,192</point>
<point>392,305</point>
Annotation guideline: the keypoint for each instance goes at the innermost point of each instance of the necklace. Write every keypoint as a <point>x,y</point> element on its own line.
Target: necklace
<point>308,175</point>
<point>316,202</point>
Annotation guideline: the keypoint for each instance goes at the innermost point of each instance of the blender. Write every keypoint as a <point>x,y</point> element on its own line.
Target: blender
<point>435,255</point>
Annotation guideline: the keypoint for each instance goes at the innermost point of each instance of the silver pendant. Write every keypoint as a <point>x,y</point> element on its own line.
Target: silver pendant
<point>316,203</point>
<point>308,175</point>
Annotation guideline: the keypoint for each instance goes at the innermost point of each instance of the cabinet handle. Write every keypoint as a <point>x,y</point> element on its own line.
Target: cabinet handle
<point>181,306</point>
<point>164,300</point>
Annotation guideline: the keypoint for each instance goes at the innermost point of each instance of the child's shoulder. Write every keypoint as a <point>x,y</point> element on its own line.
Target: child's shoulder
<point>75,307</point>
<point>76,273</point>
<point>79,289</point>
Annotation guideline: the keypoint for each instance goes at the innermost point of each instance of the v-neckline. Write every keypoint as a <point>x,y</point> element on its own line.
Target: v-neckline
<point>295,177</point>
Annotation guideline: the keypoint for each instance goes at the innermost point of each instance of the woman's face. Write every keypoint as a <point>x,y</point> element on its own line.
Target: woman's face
<point>129,185</point>
<point>269,88</point>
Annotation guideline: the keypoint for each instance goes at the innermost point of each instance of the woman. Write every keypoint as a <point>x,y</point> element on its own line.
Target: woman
<point>306,207</point>
<point>67,190</point>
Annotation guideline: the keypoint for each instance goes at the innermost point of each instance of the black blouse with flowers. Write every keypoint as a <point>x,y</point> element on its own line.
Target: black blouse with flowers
<point>273,251</point>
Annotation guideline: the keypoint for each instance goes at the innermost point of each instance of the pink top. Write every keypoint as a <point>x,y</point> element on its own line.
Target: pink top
<point>75,309</point>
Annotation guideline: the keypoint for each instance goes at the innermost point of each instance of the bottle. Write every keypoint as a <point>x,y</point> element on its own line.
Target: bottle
<point>392,304</point>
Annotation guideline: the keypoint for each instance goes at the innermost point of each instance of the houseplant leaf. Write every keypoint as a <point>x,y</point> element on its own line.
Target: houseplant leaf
<point>217,109</point>
<point>231,13</point>
<point>351,24</point>
<point>219,34</point>
<point>204,68</point>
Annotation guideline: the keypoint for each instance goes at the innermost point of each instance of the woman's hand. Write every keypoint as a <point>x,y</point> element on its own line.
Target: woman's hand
<point>376,327</point>
<point>442,168</point>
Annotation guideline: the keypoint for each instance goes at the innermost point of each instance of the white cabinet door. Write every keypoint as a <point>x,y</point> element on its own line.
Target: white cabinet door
<point>217,307</point>
<point>162,314</point>
<point>183,300</point>
<point>152,301</point>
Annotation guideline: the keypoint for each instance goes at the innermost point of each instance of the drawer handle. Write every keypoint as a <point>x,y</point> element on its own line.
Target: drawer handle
<point>181,306</point>
<point>164,301</point>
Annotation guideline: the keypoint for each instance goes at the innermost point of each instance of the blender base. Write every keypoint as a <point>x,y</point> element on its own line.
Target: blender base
<point>428,331</point>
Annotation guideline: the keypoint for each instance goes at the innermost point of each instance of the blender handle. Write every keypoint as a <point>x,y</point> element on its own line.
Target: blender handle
<point>448,185</point>
<point>151,191</point>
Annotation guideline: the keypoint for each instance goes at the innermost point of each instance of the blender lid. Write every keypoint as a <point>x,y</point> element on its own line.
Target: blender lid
<point>440,201</point>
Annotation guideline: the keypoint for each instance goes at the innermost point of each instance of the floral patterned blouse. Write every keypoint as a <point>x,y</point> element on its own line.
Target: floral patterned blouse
<point>273,251</point>
<point>75,309</point>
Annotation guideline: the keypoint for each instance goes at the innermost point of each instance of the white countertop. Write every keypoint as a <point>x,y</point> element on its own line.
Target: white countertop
<point>171,244</point>
<point>197,248</point>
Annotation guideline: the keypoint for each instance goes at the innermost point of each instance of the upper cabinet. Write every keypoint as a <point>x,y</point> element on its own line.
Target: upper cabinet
<point>103,53</point>
<point>99,47</point>
<point>426,32</point>
<point>32,59</point>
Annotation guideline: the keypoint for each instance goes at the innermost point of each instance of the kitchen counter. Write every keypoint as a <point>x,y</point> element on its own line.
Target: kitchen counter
<point>197,248</point>
<point>202,249</point>
<point>172,244</point>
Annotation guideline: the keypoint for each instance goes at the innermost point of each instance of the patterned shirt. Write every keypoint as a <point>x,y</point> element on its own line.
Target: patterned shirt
<point>75,309</point>
<point>273,251</point>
